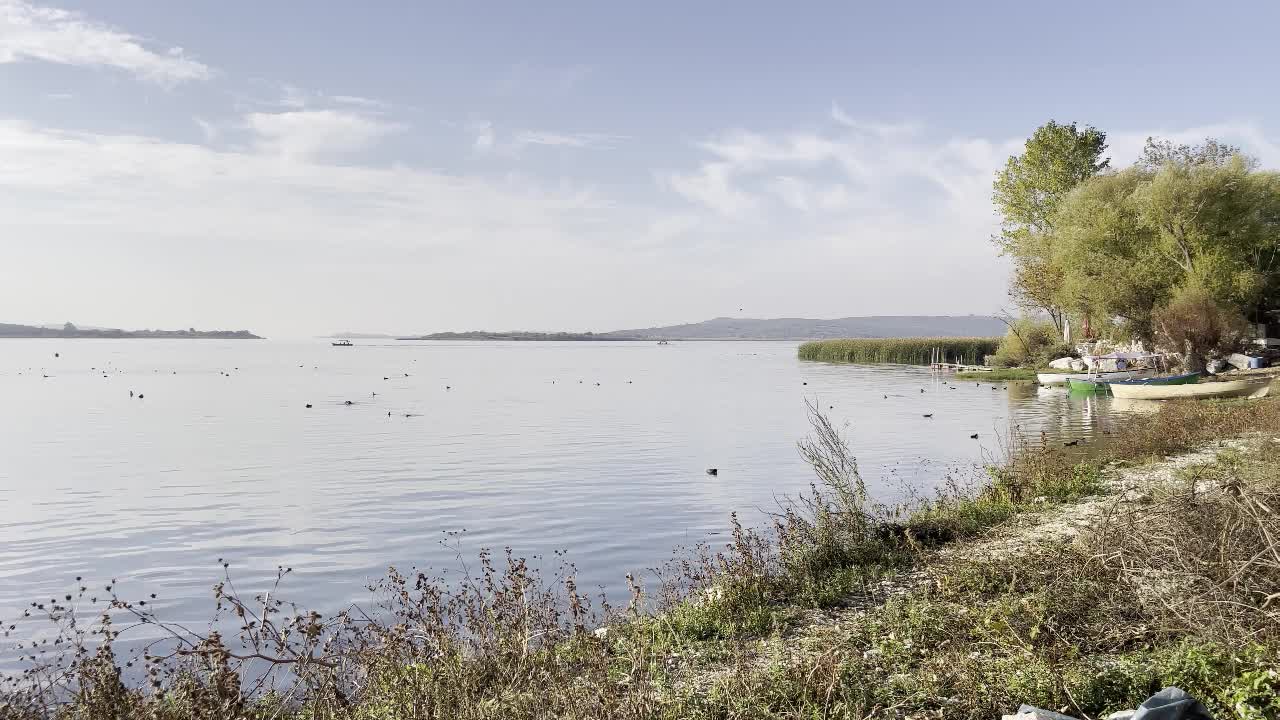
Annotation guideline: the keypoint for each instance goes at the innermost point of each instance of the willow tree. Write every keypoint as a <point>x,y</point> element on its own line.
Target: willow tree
<point>1198,222</point>
<point>1028,192</point>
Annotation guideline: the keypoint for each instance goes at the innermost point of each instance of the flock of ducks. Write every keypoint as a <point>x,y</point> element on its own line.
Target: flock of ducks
<point>710,471</point>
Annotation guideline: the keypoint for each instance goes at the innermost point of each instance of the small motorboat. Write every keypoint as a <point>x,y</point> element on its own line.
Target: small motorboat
<point>342,343</point>
<point>1227,389</point>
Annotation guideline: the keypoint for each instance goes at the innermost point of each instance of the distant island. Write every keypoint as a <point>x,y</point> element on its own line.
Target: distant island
<point>519,335</point>
<point>725,328</point>
<point>71,331</point>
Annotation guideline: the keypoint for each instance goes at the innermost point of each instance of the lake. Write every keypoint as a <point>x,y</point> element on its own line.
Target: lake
<point>596,448</point>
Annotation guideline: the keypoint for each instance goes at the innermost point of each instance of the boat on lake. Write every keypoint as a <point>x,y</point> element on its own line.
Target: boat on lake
<point>1184,379</point>
<point>342,343</point>
<point>1091,384</point>
<point>1226,389</point>
<point>1064,378</point>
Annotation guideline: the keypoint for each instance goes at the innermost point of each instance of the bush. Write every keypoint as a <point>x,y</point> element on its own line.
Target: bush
<point>1026,344</point>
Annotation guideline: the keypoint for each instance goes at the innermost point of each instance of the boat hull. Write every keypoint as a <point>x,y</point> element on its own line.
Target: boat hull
<point>1229,389</point>
<point>1065,378</point>
<point>1187,379</point>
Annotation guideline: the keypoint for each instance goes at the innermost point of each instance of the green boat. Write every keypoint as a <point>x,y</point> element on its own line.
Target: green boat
<point>1087,385</point>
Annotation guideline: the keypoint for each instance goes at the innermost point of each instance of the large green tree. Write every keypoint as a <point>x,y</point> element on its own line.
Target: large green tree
<point>1027,193</point>
<point>1181,220</point>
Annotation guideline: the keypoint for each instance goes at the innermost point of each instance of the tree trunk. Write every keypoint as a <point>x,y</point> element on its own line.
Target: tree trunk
<point>1192,358</point>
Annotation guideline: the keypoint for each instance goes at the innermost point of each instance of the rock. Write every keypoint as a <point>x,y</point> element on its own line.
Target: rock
<point>1062,363</point>
<point>1079,365</point>
<point>1121,715</point>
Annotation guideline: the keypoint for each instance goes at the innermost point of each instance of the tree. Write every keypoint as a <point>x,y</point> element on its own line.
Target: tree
<point>1132,243</point>
<point>1027,193</point>
<point>1158,152</point>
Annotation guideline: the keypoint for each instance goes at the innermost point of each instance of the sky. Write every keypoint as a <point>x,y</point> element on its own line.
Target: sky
<point>299,169</point>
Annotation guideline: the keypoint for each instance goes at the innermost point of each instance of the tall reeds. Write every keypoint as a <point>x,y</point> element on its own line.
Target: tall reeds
<point>904,351</point>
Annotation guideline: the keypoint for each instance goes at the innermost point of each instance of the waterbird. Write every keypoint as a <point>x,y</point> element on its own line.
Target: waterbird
<point>139,396</point>
<point>385,378</point>
<point>349,403</point>
<point>886,397</point>
<point>1070,444</point>
<point>804,383</point>
<point>55,354</point>
<point>713,471</point>
<point>130,393</point>
<point>929,415</point>
<point>446,387</point>
<point>921,389</point>
<point>973,436</point>
<point>308,406</point>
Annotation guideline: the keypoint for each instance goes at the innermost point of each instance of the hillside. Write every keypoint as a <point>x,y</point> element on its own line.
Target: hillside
<point>8,330</point>
<point>725,328</point>
<point>873,326</point>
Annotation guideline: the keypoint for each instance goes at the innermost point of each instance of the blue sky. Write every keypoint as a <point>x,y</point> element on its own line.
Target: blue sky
<point>405,167</point>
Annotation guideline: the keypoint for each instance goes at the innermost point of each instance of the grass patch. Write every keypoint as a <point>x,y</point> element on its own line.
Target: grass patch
<point>1000,375</point>
<point>904,351</point>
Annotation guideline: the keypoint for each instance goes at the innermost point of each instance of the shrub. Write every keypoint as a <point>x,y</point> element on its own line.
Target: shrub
<point>1026,343</point>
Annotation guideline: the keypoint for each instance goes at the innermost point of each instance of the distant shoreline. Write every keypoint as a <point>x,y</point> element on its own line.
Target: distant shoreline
<point>70,332</point>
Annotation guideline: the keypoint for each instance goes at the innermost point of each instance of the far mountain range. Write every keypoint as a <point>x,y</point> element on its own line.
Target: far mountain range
<point>726,328</point>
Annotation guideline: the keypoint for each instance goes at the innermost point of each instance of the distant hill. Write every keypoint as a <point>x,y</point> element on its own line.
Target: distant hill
<point>71,331</point>
<point>518,335</point>
<point>874,326</point>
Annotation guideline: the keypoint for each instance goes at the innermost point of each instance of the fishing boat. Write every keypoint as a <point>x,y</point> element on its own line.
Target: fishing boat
<point>342,343</point>
<point>1091,384</point>
<point>1064,378</point>
<point>1185,379</point>
<point>1227,389</point>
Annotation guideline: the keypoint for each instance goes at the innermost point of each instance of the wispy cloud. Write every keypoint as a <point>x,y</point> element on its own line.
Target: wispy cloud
<point>35,33</point>
<point>572,140</point>
<point>359,101</point>
<point>488,140</point>
<point>312,133</point>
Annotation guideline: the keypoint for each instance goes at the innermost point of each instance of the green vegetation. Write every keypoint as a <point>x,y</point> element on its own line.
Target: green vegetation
<point>836,611</point>
<point>1027,193</point>
<point>1178,249</point>
<point>1031,344</point>
<point>905,351</point>
<point>1000,375</point>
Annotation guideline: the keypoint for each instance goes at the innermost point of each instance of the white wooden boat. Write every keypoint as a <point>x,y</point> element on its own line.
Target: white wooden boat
<point>1062,378</point>
<point>1228,389</point>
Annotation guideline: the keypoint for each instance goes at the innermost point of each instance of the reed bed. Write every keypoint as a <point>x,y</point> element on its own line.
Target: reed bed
<point>903,351</point>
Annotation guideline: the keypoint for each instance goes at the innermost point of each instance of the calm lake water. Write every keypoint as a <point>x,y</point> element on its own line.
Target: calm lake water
<point>600,449</point>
